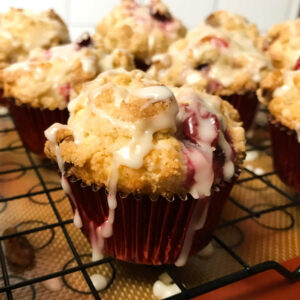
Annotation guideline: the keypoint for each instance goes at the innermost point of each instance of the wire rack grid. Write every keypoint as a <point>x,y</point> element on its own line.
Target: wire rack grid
<point>245,269</point>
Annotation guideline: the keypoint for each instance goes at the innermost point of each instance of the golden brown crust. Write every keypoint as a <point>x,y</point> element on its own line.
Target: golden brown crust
<point>142,34</point>
<point>24,31</point>
<point>21,31</point>
<point>235,129</point>
<point>282,44</point>
<point>270,81</point>
<point>233,22</point>
<point>285,105</point>
<point>280,91</point>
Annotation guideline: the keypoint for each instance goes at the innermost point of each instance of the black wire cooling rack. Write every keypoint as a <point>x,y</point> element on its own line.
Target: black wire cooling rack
<point>246,270</point>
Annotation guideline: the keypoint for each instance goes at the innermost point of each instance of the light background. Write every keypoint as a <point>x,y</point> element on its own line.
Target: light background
<point>83,15</point>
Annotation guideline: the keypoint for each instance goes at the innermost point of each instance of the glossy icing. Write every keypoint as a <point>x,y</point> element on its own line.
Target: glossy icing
<point>288,83</point>
<point>99,281</point>
<point>223,54</point>
<point>50,134</point>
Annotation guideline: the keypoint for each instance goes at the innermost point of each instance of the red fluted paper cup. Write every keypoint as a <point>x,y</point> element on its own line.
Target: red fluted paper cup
<point>148,231</point>
<point>32,122</point>
<point>246,105</point>
<point>285,149</point>
<point>3,100</point>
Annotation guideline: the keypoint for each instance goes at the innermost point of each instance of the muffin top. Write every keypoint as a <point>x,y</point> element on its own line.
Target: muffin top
<point>233,22</point>
<point>282,44</point>
<point>131,134</point>
<point>220,61</point>
<point>49,77</point>
<point>21,31</point>
<point>145,30</point>
<point>280,90</point>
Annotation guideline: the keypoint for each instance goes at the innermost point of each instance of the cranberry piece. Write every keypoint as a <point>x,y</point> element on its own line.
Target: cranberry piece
<point>216,41</point>
<point>218,162</point>
<point>64,90</point>
<point>161,17</point>
<point>84,40</point>
<point>201,67</point>
<point>213,86</point>
<point>267,43</point>
<point>141,64</point>
<point>219,43</point>
<point>297,66</point>
<point>189,126</point>
<point>48,54</point>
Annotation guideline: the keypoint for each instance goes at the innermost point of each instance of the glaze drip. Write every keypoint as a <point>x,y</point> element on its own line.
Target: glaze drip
<point>204,131</point>
<point>204,127</point>
<point>212,54</point>
<point>50,134</point>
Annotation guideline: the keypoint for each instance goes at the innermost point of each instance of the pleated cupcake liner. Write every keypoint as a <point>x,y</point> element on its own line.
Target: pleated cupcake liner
<point>285,149</point>
<point>246,105</point>
<point>148,231</point>
<point>32,122</point>
<point>4,101</point>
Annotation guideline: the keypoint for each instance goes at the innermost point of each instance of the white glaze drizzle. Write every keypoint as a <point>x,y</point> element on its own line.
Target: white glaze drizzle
<point>223,69</point>
<point>67,53</point>
<point>288,83</point>
<point>228,168</point>
<point>251,155</point>
<point>195,224</point>
<point>50,135</point>
<point>155,93</point>
<point>99,281</point>
<point>162,291</point>
<point>43,29</point>
<point>70,54</point>
<point>201,156</point>
<point>77,219</point>
<point>132,154</point>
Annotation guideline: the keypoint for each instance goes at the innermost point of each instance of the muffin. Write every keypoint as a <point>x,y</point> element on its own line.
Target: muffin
<point>40,87</point>
<point>21,31</point>
<point>145,30</point>
<point>149,173</point>
<point>282,44</point>
<point>222,62</point>
<point>233,22</point>
<point>280,90</point>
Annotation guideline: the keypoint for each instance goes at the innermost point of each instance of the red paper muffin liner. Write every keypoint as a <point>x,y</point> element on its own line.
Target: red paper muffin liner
<point>4,101</point>
<point>32,122</point>
<point>246,105</point>
<point>286,149</point>
<point>149,231</point>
